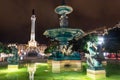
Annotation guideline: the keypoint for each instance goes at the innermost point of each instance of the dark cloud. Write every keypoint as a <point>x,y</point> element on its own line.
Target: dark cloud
<point>87,15</point>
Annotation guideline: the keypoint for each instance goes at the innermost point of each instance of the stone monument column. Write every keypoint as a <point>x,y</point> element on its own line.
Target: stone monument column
<point>32,42</point>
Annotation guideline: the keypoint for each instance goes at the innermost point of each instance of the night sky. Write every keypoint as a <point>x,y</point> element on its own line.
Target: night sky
<point>88,15</point>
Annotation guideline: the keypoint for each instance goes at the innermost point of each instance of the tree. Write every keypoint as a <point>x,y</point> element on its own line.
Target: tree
<point>1,47</point>
<point>7,50</point>
<point>4,48</point>
<point>81,44</point>
<point>112,41</point>
<point>51,47</point>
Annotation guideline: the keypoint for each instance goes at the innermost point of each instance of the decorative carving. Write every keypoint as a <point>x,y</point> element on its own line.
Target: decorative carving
<point>66,50</point>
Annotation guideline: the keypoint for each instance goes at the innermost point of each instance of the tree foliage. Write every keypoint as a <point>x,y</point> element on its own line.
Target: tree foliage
<point>51,47</point>
<point>4,48</point>
<point>1,47</point>
<point>81,44</point>
<point>112,41</point>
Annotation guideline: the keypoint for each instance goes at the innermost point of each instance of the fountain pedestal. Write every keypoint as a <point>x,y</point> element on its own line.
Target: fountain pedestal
<point>56,66</point>
<point>96,74</point>
<point>65,65</point>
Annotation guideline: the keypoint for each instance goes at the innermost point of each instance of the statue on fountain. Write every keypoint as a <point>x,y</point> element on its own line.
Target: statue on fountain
<point>64,52</point>
<point>93,58</point>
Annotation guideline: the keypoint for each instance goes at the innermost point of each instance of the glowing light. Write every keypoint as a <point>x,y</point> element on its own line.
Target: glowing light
<point>21,58</point>
<point>100,40</point>
<point>12,68</point>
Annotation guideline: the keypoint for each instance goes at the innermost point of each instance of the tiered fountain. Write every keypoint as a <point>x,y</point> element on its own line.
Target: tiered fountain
<point>63,58</point>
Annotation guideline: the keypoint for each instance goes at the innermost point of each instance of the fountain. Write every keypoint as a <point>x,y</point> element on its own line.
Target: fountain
<point>63,58</point>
